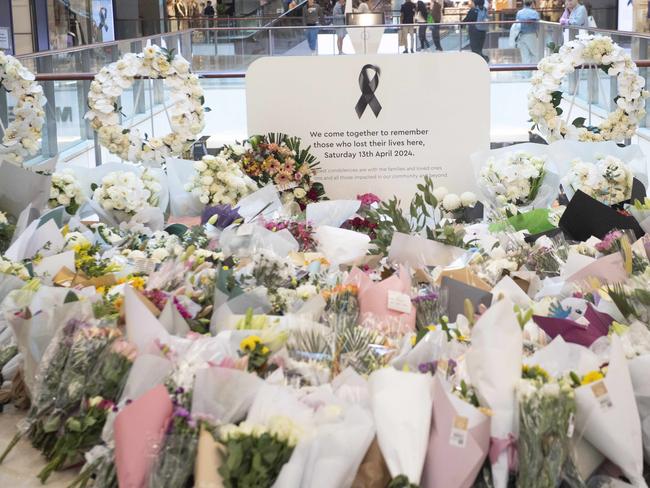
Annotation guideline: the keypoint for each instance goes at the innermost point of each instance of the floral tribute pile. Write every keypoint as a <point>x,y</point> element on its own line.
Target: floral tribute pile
<point>273,337</point>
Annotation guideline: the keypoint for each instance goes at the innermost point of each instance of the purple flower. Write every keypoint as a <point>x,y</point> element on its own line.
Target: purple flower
<point>181,412</point>
<point>430,367</point>
<point>429,297</point>
<point>226,215</point>
<point>451,366</point>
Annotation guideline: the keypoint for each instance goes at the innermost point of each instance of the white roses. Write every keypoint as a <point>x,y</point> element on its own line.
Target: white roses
<point>185,110</point>
<point>450,203</point>
<point>127,192</point>
<point>219,180</point>
<point>21,136</point>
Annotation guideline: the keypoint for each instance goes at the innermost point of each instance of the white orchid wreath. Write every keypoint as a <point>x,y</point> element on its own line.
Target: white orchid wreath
<point>21,136</point>
<point>185,108</point>
<point>545,95</point>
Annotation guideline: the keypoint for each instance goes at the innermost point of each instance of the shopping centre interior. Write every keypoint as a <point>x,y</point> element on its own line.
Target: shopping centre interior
<point>127,98</point>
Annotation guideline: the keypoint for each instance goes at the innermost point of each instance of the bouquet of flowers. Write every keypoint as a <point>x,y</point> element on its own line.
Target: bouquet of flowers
<point>88,343</point>
<point>546,411</point>
<point>14,269</point>
<point>127,192</point>
<point>49,381</point>
<point>102,390</point>
<point>172,467</point>
<point>219,180</point>
<point>608,180</point>
<point>514,179</point>
<point>6,232</point>
<point>66,191</point>
<point>278,159</point>
<point>254,453</point>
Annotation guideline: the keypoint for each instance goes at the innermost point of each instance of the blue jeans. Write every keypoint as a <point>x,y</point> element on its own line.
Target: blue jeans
<point>312,37</point>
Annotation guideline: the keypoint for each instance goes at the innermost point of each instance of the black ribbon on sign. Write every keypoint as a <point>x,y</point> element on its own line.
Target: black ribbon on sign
<point>368,87</point>
<point>103,13</point>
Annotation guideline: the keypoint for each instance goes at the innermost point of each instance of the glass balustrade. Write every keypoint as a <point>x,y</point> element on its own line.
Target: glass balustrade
<point>221,56</point>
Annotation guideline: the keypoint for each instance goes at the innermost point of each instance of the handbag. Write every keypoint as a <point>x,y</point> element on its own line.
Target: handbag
<point>591,22</point>
<point>515,31</point>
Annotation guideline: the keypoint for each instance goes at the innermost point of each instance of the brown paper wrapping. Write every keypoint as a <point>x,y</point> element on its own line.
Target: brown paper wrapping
<point>67,278</point>
<point>466,276</point>
<point>373,472</point>
<point>208,460</point>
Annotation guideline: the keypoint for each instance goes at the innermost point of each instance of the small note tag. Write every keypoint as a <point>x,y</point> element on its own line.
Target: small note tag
<point>144,265</point>
<point>458,435</point>
<point>399,302</point>
<point>599,389</point>
<point>572,426</point>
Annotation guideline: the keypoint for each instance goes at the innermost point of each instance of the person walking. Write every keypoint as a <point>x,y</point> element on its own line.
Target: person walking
<point>435,17</point>
<point>477,30</point>
<point>421,14</point>
<point>527,39</point>
<point>575,14</point>
<point>338,18</point>
<point>312,14</point>
<point>407,16</point>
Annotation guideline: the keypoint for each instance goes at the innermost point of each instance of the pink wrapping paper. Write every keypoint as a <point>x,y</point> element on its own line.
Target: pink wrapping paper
<point>373,300</point>
<point>608,269</point>
<point>139,431</point>
<point>447,465</point>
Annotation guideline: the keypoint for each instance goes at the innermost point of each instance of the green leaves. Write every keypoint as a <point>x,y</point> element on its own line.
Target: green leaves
<point>253,462</point>
<point>554,48</point>
<point>578,122</point>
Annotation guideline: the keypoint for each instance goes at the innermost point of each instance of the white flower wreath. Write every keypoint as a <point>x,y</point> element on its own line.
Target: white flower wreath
<point>186,107</point>
<point>21,136</point>
<point>545,95</point>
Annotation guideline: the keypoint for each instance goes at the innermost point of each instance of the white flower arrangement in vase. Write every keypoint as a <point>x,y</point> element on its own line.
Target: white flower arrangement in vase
<point>66,191</point>
<point>219,180</point>
<point>514,179</point>
<point>127,192</point>
<point>608,180</point>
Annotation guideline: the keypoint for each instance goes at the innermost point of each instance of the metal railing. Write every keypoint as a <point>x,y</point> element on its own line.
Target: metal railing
<point>221,59</point>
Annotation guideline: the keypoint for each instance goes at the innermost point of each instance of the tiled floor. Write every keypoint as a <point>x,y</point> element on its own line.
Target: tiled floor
<point>21,466</point>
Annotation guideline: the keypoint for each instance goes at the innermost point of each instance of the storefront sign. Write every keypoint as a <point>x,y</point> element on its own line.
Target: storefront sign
<point>5,43</point>
<point>377,123</point>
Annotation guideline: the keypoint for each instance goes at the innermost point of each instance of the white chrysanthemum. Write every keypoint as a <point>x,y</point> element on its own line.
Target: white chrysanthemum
<point>440,193</point>
<point>451,202</point>
<point>468,199</point>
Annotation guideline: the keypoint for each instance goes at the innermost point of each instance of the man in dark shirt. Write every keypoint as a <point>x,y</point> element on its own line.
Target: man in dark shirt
<point>209,10</point>
<point>407,16</point>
